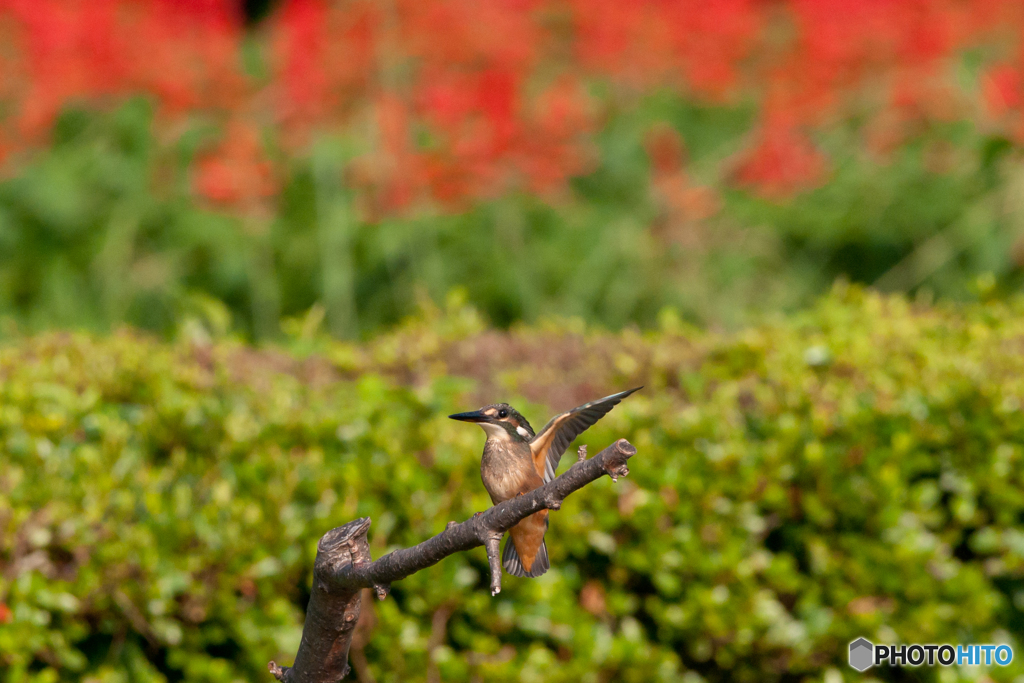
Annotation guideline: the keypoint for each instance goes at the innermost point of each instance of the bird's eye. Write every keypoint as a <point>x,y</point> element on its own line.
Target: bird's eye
<point>502,413</point>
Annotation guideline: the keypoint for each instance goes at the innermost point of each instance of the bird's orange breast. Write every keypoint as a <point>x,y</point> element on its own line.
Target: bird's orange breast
<point>528,535</point>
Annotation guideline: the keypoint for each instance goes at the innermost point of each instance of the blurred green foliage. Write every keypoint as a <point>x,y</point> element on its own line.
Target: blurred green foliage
<point>103,228</point>
<point>851,471</point>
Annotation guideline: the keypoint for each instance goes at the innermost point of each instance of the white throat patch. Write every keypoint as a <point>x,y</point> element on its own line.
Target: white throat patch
<point>494,431</point>
<point>497,431</point>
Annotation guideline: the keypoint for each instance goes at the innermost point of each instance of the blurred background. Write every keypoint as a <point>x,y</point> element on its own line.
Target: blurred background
<point>252,252</point>
<point>580,158</point>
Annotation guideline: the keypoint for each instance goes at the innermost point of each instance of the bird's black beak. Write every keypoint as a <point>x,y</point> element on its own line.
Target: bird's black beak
<point>471,416</point>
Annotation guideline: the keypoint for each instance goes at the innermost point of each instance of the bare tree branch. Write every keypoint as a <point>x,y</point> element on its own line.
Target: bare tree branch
<point>343,566</point>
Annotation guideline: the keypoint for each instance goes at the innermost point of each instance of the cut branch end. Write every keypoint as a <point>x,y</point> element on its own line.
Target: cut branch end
<point>278,670</point>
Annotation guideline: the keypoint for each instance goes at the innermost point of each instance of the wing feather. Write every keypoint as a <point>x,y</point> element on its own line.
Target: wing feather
<point>549,445</point>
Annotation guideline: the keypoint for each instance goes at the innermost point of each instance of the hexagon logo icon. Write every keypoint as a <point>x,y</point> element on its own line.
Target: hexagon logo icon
<point>862,654</point>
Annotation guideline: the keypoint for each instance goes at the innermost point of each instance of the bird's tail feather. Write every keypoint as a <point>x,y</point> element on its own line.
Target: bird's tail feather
<point>514,566</point>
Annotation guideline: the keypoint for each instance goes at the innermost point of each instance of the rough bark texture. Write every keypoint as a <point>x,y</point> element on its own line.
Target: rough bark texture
<point>343,566</point>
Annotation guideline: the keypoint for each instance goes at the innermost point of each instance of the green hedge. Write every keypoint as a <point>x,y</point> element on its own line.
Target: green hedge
<point>854,470</point>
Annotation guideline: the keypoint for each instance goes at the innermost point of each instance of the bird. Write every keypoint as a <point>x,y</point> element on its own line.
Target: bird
<point>516,461</point>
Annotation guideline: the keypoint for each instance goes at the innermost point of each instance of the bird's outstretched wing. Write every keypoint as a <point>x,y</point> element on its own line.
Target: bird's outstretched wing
<point>550,444</point>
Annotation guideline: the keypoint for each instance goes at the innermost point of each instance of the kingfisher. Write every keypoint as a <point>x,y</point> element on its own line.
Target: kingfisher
<point>517,461</point>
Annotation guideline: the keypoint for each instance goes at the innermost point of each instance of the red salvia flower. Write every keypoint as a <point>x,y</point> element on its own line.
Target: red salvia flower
<point>456,99</point>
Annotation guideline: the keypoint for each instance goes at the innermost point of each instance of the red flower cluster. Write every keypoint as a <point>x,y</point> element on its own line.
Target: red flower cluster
<point>451,100</point>
<point>461,99</point>
<point>183,52</point>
